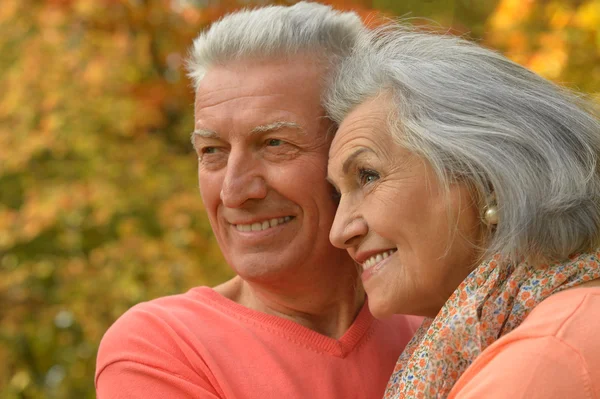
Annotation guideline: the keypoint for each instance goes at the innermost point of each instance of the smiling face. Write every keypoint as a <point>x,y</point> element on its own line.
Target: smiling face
<point>260,136</point>
<point>414,241</point>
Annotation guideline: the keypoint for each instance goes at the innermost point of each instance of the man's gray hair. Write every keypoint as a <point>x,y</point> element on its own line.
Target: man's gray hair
<point>479,118</point>
<point>274,31</point>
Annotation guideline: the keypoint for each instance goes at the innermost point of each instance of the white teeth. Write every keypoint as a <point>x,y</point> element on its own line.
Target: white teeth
<point>375,259</point>
<point>259,226</point>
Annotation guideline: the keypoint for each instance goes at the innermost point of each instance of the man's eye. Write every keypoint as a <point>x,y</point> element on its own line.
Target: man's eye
<point>208,150</point>
<point>209,153</point>
<point>366,176</point>
<point>274,142</point>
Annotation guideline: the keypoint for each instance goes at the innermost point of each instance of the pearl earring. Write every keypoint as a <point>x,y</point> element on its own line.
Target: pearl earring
<point>490,215</point>
<point>490,211</point>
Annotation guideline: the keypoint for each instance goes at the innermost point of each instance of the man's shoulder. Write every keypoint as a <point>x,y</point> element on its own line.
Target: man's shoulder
<point>160,321</point>
<point>166,337</point>
<point>164,308</point>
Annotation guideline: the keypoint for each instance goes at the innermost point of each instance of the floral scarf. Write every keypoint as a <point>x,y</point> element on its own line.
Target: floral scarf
<point>491,302</point>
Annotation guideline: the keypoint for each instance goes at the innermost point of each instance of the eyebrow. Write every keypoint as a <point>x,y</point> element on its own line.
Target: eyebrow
<point>347,163</point>
<point>208,134</point>
<point>351,159</point>
<point>269,127</point>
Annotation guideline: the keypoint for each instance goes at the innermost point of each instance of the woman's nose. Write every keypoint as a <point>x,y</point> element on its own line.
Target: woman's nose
<point>348,227</point>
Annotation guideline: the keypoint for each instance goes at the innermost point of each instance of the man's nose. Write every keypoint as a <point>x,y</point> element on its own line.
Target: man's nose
<point>244,180</point>
<point>348,227</point>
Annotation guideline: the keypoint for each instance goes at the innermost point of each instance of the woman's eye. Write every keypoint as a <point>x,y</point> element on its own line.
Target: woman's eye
<point>336,196</point>
<point>367,176</point>
<point>274,142</point>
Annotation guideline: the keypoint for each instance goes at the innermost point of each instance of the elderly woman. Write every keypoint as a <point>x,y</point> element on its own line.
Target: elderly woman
<point>470,194</point>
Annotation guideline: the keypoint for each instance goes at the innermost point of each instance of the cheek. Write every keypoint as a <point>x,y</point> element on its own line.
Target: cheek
<point>305,177</point>
<point>458,232</point>
<point>393,213</point>
<point>210,189</point>
<point>470,234</point>
<point>465,214</point>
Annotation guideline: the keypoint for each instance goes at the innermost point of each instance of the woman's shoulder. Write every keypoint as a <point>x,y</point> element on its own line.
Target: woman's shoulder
<point>554,353</point>
<point>571,317</point>
<point>566,315</point>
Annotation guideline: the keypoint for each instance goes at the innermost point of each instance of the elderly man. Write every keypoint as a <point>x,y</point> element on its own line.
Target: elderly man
<point>293,323</point>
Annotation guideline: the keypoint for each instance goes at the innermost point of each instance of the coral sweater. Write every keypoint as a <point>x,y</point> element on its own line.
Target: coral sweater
<point>554,353</point>
<point>202,345</point>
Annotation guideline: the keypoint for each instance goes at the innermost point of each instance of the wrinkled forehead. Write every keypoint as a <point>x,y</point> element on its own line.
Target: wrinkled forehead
<point>300,76</point>
<point>367,123</point>
<point>261,92</point>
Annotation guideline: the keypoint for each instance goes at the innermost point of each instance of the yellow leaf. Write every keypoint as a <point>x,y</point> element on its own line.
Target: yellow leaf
<point>588,16</point>
<point>510,13</point>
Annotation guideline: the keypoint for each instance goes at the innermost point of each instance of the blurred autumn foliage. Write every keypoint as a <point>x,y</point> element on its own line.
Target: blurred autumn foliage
<point>99,207</point>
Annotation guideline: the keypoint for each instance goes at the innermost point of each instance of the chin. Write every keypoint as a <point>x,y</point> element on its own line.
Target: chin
<point>379,309</point>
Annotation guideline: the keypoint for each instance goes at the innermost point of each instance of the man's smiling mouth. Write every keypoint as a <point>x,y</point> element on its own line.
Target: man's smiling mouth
<point>264,225</point>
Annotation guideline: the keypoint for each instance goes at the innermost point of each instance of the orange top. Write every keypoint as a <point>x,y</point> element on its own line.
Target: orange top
<point>554,353</point>
<point>202,345</point>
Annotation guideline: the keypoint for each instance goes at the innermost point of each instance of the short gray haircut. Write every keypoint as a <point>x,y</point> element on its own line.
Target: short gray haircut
<point>274,31</point>
<point>479,118</point>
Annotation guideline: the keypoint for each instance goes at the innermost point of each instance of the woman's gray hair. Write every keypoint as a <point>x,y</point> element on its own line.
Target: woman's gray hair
<point>479,118</point>
<point>276,31</point>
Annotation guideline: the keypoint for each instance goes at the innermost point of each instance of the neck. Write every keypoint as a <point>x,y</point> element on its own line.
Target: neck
<point>326,306</point>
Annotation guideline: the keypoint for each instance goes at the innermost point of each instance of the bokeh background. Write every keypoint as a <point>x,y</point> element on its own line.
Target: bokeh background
<point>99,206</point>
